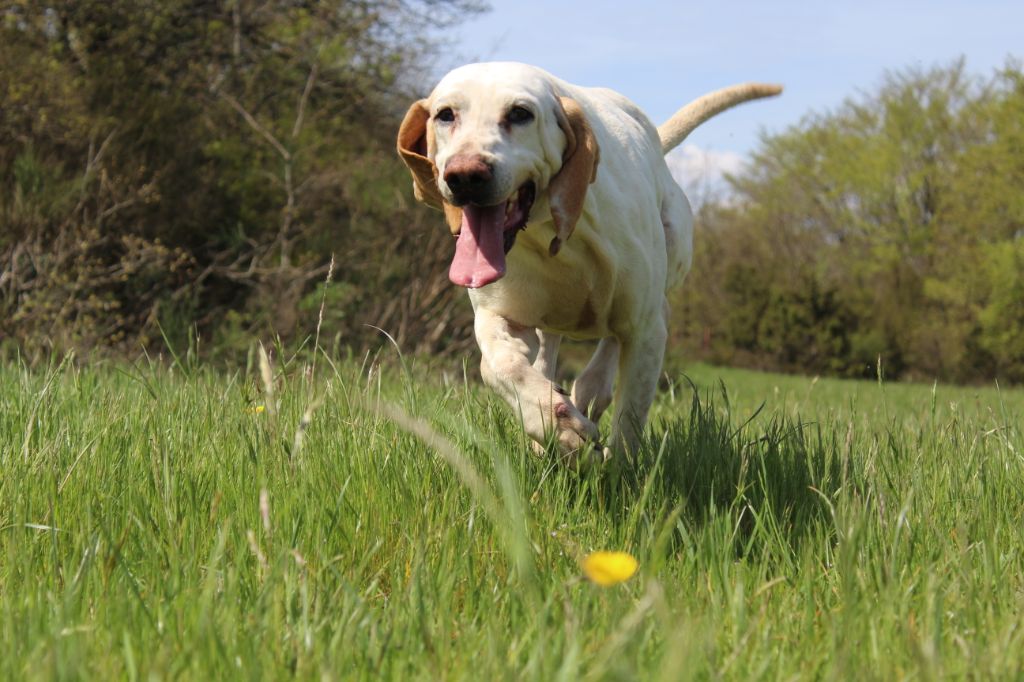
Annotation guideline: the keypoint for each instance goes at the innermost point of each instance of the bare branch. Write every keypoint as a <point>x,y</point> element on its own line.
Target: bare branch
<point>313,72</point>
<point>256,125</point>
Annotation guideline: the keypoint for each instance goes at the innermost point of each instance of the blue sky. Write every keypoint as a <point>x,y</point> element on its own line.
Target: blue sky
<point>663,54</point>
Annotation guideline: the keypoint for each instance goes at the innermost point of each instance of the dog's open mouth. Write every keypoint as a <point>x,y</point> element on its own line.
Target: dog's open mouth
<point>486,235</point>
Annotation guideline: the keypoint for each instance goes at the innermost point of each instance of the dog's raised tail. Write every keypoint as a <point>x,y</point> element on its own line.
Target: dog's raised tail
<point>673,131</point>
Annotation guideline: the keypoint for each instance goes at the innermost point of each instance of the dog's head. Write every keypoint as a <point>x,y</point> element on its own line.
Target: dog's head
<point>483,146</point>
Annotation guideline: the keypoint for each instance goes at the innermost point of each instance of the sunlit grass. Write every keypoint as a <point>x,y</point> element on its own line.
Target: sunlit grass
<point>157,523</point>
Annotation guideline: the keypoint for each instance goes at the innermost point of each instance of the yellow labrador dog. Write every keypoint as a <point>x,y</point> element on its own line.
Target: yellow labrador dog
<point>568,223</point>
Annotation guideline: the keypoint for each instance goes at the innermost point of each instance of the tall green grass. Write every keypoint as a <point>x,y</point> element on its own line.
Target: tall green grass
<point>393,523</point>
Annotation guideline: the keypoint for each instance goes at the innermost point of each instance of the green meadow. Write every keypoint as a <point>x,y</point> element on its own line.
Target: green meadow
<point>351,520</point>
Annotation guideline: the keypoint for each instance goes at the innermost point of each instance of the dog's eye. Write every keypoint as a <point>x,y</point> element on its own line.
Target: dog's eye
<point>517,115</point>
<point>445,115</point>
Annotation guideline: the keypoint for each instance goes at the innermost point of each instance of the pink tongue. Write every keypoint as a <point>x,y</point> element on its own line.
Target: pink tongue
<point>480,249</point>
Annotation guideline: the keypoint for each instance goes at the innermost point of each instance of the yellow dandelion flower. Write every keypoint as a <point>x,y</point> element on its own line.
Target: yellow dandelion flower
<point>256,409</point>
<point>609,568</point>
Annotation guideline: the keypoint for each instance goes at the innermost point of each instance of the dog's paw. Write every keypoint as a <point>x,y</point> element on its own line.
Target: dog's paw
<point>572,429</point>
<point>575,436</point>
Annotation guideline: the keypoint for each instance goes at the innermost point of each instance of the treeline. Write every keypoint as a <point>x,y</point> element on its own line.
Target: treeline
<point>182,169</point>
<point>173,170</point>
<point>890,229</point>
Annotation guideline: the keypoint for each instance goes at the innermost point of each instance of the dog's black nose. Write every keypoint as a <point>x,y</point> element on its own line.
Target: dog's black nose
<point>467,175</point>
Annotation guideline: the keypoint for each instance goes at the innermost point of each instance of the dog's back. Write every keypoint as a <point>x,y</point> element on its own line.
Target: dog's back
<point>641,208</point>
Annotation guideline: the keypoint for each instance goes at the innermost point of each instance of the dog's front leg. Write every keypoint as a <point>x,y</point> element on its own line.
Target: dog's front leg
<point>544,407</point>
<point>547,353</point>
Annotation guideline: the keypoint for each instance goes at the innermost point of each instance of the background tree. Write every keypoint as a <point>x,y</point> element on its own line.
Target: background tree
<point>891,228</point>
<point>188,164</point>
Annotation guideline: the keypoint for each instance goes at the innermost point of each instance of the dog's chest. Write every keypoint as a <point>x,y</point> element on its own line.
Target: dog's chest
<point>569,293</point>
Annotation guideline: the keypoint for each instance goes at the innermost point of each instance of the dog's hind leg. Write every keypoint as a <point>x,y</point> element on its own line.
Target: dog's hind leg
<point>677,221</point>
<point>639,369</point>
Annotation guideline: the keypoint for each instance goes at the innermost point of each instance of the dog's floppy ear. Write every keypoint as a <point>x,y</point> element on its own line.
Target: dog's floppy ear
<point>413,144</point>
<point>568,188</point>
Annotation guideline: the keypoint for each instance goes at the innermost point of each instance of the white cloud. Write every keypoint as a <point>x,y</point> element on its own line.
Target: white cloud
<point>701,172</point>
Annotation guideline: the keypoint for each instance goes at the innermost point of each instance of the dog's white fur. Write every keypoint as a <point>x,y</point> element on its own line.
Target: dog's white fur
<point>631,244</point>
